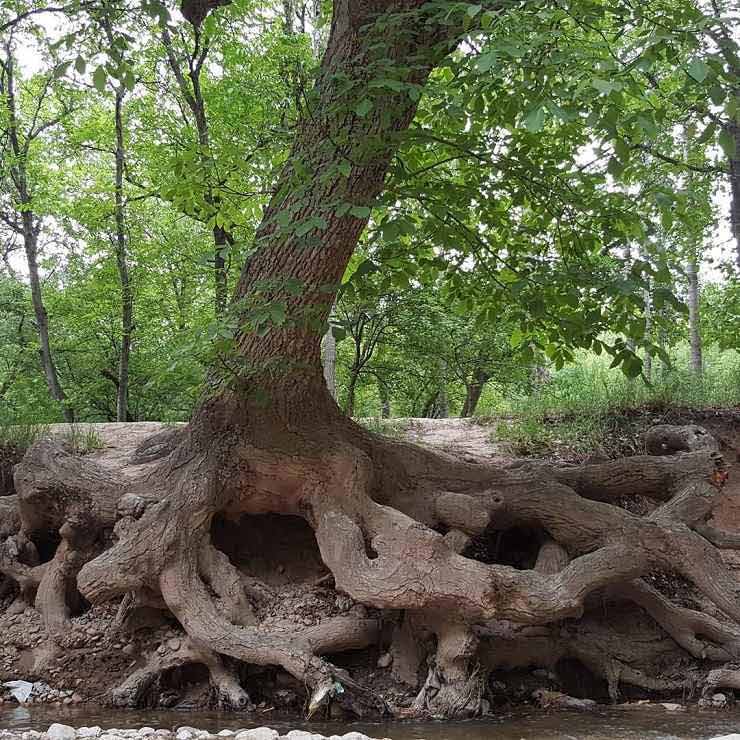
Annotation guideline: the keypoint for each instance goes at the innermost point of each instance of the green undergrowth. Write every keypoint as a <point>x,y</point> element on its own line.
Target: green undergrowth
<point>588,411</point>
<point>395,428</point>
<point>15,439</point>
<point>82,439</point>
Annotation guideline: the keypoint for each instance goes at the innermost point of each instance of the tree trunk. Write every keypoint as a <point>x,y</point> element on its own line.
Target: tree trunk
<point>692,273</point>
<point>472,396</point>
<point>30,226</point>
<point>193,95</point>
<point>349,404</point>
<point>647,363</point>
<point>735,191</point>
<point>473,391</point>
<point>127,300</point>
<point>394,528</point>
<point>385,400</point>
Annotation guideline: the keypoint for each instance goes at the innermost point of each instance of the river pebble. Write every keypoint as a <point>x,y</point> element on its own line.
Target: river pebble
<point>65,732</point>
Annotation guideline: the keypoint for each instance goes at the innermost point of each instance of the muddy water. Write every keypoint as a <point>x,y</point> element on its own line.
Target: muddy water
<point>607,724</point>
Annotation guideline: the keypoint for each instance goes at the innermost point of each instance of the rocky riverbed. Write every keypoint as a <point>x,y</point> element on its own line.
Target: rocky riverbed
<point>58,731</point>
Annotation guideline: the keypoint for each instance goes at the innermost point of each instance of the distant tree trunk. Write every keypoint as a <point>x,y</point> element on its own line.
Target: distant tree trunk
<point>127,301</point>
<point>647,363</point>
<point>385,401</point>
<point>735,192</point>
<point>288,16</point>
<point>472,396</point>
<point>692,274</point>
<point>30,227</point>
<point>329,362</point>
<point>193,95</point>
<point>30,242</point>
<point>349,404</point>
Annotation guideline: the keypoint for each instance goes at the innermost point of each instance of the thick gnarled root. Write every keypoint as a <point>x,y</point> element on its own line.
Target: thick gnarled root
<point>224,682</point>
<point>404,549</point>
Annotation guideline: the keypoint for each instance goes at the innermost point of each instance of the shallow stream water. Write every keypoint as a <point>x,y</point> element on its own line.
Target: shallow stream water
<point>605,724</point>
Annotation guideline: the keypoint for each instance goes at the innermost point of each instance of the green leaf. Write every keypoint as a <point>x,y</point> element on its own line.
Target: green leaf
<point>345,168</point>
<point>707,134</point>
<point>360,211</point>
<point>727,142</point>
<point>80,65</point>
<point>535,120</point>
<point>632,366</point>
<point>485,61</point>
<point>615,167</point>
<point>99,78</point>
<point>697,70</point>
<point>364,107</point>
<point>604,86</point>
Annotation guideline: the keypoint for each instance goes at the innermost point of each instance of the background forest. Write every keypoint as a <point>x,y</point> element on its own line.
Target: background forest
<point>572,249</point>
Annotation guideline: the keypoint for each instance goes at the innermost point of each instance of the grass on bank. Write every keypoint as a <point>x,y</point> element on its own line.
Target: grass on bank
<point>589,410</point>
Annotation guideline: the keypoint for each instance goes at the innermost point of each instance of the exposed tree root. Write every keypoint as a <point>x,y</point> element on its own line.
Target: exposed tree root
<point>394,525</point>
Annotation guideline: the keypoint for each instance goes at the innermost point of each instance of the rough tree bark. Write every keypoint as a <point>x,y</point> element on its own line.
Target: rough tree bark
<point>329,362</point>
<point>400,528</point>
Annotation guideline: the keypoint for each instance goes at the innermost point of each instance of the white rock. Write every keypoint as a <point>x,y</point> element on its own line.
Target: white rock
<point>259,733</point>
<point>19,690</point>
<point>146,731</point>
<point>719,700</point>
<point>110,735</point>
<point>226,733</point>
<point>354,736</point>
<point>186,733</point>
<point>672,707</point>
<point>89,731</point>
<point>734,736</point>
<point>60,732</point>
<point>303,735</point>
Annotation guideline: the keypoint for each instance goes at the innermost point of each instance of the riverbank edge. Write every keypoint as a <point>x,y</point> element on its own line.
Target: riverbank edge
<point>58,731</point>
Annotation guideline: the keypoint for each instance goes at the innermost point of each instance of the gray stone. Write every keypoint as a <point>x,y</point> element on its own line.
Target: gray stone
<point>259,733</point>
<point>385,660</point>
<point>89,731</point>
<point>60,732</point>
<point>146,731</point>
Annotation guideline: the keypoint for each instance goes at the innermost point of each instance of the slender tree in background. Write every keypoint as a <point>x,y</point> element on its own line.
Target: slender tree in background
<point>190,83</point>
<point>19,212</point>
<point>692,275</point>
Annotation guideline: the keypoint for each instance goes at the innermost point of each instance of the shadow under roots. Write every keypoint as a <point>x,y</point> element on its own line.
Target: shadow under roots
<point>276,549</point>
<point>517,547</point>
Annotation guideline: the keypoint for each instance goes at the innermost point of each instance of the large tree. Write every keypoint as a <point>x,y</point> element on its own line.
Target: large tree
<point>398,527</point>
